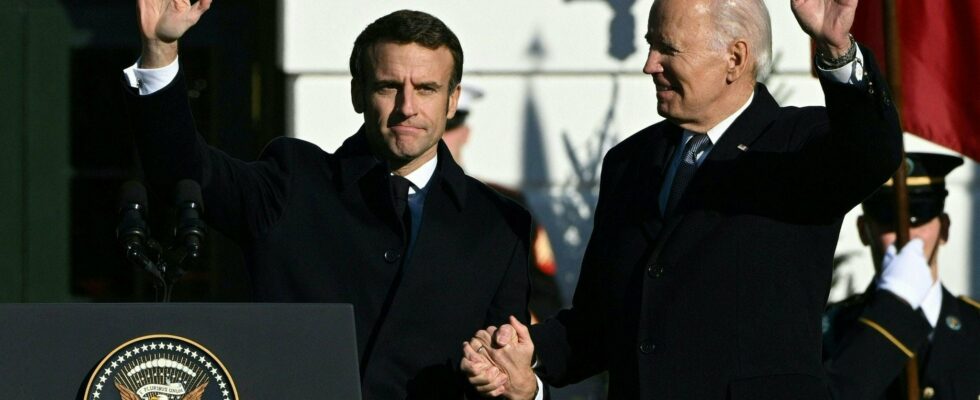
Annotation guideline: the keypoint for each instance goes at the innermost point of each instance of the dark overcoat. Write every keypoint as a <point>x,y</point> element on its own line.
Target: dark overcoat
<point>321,227</point>
<point>723,299</point>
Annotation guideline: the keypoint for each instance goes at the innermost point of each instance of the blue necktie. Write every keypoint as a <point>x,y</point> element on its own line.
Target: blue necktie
<point>685,170</point>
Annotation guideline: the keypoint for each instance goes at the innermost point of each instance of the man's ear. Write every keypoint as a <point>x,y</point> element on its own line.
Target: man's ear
<point>944,228</point>
<point>864,231</point>
<point>453,101</point>
<point>356,97</point>
<point>738,61</point>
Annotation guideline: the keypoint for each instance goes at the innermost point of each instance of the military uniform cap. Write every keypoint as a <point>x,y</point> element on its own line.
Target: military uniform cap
<point>467,96</point>
<point>926,183</point>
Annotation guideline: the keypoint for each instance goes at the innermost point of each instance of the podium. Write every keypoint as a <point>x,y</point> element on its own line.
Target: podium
<point>272,351</point>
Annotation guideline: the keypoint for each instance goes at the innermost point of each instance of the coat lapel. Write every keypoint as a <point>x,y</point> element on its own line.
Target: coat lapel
<point>747,127</point>
<point>736,140</point>
<point>652,169</point>
<point>443,206</point>
<point>947,339</point>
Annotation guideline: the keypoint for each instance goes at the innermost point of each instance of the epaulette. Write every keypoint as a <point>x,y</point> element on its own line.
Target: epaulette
<point>970,301</point>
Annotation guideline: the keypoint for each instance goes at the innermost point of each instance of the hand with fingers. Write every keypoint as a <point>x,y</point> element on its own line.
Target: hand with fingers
<point>162,23</point>
<point>479,368</point>
<point>498,362</point>
<point>906,272</point>
<point>828,22</point>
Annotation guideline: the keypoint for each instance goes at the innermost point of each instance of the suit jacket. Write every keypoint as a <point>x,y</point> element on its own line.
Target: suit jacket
<point>321,227</point>
<point>724,298</point>
<point>867,339</point>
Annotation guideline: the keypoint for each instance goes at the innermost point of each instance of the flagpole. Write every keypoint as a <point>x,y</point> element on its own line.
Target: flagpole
<point>894,61</point>
<point>893,57</point>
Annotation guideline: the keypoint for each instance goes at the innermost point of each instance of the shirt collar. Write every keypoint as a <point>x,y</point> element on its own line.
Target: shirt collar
<point>933,303</point>
<point>715,132</point>
<point>422,175</point>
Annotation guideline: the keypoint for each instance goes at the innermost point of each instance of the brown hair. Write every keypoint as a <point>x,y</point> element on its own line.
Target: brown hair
<point>404,27</point>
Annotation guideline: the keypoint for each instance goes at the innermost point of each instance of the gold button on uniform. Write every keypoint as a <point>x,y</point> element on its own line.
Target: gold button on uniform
<point>928,392</point>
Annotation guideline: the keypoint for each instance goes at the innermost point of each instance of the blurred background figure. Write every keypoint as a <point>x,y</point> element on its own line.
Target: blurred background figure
<point>457,130</point>
<point>906,313</point>
<point>545,298</point>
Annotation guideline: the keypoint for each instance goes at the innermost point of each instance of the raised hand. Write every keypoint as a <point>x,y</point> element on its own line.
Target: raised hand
<point>167,20</point>
<point>162,22</point>
<point>828,22</point>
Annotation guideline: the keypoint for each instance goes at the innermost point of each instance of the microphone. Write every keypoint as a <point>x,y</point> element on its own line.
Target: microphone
<point>132,231</point>
<point>190,207</point>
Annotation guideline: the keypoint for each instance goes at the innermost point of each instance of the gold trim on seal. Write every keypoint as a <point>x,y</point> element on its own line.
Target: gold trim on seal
<point>888,336</point>
<point>95,372</point>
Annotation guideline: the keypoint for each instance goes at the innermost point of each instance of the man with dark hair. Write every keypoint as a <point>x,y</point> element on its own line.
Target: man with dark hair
<point>404,27</point>
<point>906,313</point>
<point>388,222</point>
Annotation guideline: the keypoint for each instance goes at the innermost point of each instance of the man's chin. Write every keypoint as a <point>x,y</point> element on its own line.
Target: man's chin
<point>670,117</point>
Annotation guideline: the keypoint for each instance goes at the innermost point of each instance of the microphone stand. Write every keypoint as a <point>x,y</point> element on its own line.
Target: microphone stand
<point>164,265</point>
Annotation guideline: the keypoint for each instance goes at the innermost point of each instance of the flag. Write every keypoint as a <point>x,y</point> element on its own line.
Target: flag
<point>940,56</point>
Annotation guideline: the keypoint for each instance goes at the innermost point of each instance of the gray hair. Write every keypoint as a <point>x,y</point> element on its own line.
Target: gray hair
<point>749,20</point>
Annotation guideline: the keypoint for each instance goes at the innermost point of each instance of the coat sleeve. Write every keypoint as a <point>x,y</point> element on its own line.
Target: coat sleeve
<point>240,198</point>
<point>822,160</point>
<point>573,345</point>
<point>865,351</point>
<point>855,149</point>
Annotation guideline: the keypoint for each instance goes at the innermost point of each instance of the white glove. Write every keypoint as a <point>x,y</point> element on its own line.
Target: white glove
<point>907,274</point>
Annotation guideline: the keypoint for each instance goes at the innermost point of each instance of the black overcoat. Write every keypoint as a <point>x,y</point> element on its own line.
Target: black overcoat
<point>723,300</point>
<point>321,227</point>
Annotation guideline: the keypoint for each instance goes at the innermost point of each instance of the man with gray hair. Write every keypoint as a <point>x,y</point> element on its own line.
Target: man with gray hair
<point>710,260</point>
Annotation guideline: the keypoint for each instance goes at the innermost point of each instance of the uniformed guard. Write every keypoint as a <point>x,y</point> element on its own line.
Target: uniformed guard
<point>905,313</point>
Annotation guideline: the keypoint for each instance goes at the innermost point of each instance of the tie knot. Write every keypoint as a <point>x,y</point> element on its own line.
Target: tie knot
<point>399,187</point>
<point>695,145</point>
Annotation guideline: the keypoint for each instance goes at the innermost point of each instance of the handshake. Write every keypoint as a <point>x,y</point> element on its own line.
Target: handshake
<point>497,362</point>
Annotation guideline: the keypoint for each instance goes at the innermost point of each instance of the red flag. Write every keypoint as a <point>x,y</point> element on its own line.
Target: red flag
<point>940,55</point>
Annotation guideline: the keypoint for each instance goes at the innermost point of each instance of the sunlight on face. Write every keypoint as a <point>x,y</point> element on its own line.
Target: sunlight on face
<point>407,101</point>
<point>690,74</point>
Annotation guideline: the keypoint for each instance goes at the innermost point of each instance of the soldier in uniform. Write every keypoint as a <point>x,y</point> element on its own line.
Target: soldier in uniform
<point>906,313</point>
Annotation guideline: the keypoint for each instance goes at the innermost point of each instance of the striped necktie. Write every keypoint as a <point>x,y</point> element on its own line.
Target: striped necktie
<point>685,170</point>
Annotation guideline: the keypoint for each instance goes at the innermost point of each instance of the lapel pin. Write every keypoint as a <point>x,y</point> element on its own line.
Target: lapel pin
<point>953,323</point>
<point>743,147</point>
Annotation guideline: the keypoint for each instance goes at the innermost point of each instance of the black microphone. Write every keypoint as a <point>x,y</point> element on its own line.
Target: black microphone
<point>132,231</point>
<point>190,207</point>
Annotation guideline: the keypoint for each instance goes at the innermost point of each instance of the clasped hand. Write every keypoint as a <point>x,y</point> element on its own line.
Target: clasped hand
<point>497,361</point>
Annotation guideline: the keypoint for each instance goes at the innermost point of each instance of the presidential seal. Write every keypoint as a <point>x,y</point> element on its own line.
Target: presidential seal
<point>160,367</point>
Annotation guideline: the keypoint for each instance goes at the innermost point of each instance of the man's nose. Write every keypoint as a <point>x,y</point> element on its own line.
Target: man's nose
<point>653,64</point>
<point>406,102</point>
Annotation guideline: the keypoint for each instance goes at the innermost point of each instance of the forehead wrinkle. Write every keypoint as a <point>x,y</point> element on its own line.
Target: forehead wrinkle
<point>415,67</point>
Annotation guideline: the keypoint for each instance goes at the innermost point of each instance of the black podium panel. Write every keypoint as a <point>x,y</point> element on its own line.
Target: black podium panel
<point>272,351</point>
